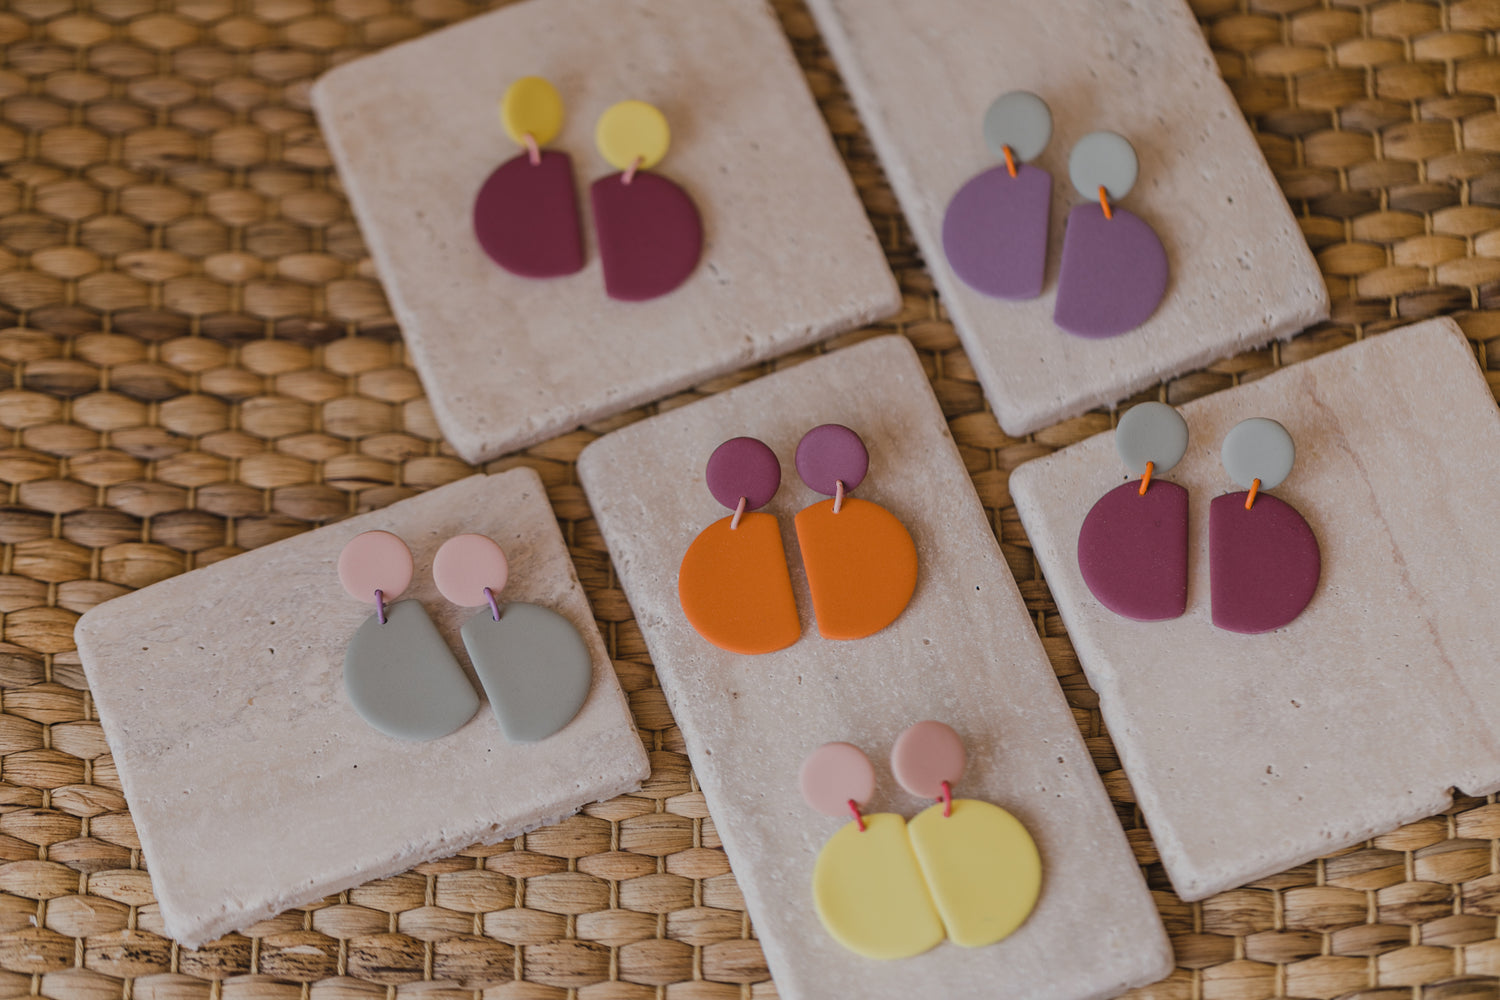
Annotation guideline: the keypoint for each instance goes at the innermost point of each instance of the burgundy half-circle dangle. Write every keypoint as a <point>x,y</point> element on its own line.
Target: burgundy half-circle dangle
<point>526,213</point>
<point>649,231</point>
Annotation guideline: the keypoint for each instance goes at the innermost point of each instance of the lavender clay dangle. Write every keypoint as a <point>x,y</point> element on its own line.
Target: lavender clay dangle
<point>1264,561</point>
<point>1133,546</point>
<point>1114,267</point>
<point>995,228</point>
<point>526,214</point>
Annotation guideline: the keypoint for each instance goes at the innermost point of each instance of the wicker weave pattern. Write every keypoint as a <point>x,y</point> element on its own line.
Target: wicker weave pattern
<point>200,361</point>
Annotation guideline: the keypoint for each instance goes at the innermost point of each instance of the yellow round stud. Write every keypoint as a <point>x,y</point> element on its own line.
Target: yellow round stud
<point>531,106</point>
<point>632,131</point>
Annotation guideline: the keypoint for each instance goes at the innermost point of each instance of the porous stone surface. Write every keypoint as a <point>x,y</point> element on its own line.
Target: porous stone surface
<point>1250,754</point>
<point>255,786</point>
<point>789,255</point>
<point>922,76</point>
<point>964,652</point>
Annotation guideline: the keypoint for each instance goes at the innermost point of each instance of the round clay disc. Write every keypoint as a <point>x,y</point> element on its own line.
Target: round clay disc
<point>834,774</point>
<point>465,565</point>
<point>1151,432</point>
<point>829,455</point>
<point>926,755</point>
<point>1258,448</point>
<point>631,131</point>
<point>1103,159</point>
<point>375,560</point>
<point>743,467</point>
<point>1020,120</point>
<point>531,106</point>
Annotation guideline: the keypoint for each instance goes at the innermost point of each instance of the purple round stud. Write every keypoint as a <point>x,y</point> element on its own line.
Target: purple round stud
<point>743,467</point>
<point>829,455</point>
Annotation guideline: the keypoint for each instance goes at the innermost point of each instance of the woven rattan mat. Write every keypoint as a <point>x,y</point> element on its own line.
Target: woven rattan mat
<point>200,361</point>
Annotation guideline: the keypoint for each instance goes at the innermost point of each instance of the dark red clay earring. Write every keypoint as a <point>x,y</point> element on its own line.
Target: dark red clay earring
<point>526,214</point>
<point>648,229</point>
<point>1132,548</point>
<point>1264,561</point>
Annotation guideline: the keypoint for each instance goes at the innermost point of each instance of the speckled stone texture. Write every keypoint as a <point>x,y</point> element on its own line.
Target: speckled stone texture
<point>964,652</point>
<point>789,256</point>
<point>252,782</point>
<point>1252,754</point>
<point>922,75</point>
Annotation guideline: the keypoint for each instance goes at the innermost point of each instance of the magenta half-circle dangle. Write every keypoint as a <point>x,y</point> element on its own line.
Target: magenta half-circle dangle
<point>1264,560</point>
<point>1133,544</point>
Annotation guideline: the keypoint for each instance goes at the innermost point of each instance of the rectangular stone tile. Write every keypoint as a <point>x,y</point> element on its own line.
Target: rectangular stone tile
<point>964,652</point>
<point>922,76</point>
<point>252,782</point>
<point>1252,754</point>
<point>789,255</point>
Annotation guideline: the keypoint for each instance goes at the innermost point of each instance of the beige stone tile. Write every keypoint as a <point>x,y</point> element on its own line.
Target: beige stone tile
<point>964,651</point>
<point>789,254</point>
<point>922,75</point>
<point>1252,754</point>
<point>252,782</point>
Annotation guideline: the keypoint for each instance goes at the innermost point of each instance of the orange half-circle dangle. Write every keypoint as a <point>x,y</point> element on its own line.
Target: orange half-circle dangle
<point>861,566</point>
<point>735,588</point>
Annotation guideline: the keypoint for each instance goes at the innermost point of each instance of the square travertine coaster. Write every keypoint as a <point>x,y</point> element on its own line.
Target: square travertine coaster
<point>252,782</point>
<point>922,76</point>
<point>789,256</point>
<point>964,652</point>
<point>1252,754</point>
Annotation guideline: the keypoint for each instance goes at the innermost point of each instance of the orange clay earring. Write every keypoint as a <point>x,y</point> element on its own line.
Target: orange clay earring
<point>733,584</point>
<point>861,562</point>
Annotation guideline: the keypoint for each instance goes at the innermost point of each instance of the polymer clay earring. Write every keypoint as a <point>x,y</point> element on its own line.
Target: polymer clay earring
<point>534,666</point>
<point>399,674</point>
<point>980,864</point>
<point>526,213</point>
<point>1132,548</point>
<point>861,562</point>
<point>1264,561</point>
<point>649,232</point>
<point>995,228</point>
<point>868,889</point>
<point>1114,267</point>
<point>734,585</point>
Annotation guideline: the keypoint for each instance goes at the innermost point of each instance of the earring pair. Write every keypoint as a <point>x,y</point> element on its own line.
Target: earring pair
<point>887,888</point>
<point>734,584</point>
<point>1264,560</point>
<point>403,679</point>
<point>526,215</point>
<point>995,232</point>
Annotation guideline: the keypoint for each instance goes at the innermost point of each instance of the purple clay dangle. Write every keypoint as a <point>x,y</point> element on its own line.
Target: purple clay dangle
<point>1114,268</point>
<point>526,212</point>
<point>995,228</point>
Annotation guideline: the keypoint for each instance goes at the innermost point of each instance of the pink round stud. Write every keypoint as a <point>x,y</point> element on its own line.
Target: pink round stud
<point>925,756</point>
<point>835,773</point>
<point>375,560</point>
<point>465,565</point>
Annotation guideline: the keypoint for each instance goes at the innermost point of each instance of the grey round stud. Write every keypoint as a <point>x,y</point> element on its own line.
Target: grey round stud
<point>1258,448</point>
<point>1020,120</point>
<point>1151,432</point>
<point>1103,159</point>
